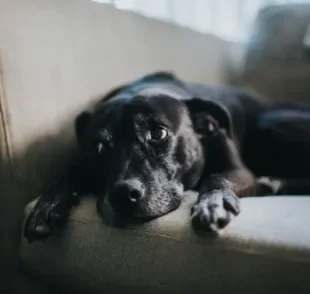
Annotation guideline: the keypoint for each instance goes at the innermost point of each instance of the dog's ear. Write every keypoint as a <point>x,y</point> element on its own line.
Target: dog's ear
<point>81,124</point>
<point>203,111</point>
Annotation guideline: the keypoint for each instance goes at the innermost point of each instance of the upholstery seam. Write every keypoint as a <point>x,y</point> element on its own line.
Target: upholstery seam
<point>7,150</point>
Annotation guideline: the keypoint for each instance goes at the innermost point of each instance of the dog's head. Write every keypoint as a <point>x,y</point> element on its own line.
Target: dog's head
<point>145,151</point>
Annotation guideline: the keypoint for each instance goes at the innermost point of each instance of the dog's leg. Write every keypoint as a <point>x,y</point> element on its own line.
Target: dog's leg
<point>218,200</point>
<point>52,208</point>
<point>280,186</point>
<point>279,151</point>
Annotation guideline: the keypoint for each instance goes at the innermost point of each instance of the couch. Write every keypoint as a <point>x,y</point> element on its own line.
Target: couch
<point>57,57</point>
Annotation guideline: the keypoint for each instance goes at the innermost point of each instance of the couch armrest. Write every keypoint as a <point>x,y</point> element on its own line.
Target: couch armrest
<point>266,247</point>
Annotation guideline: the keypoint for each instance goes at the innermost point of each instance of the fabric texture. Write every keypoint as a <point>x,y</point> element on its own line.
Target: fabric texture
<point>266,247</point>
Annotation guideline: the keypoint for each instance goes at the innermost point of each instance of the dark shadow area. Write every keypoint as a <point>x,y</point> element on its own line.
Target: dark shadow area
<point>39,168</point>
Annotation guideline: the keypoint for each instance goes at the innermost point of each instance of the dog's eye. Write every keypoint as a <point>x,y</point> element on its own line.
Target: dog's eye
<point>157,133</point>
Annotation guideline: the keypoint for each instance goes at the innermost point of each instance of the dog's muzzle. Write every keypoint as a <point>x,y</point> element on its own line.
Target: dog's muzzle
<point>119,206</point>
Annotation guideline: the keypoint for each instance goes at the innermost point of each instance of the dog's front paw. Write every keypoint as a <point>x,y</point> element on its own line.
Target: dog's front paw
<point>45,217</point>
<point>215,210</point>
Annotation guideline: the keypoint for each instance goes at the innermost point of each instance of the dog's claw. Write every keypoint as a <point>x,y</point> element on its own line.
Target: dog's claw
<point>214,211</point>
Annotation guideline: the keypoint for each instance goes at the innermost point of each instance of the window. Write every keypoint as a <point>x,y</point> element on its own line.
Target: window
<point>228,19</point>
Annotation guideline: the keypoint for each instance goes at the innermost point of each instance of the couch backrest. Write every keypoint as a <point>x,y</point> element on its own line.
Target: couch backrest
<point>277,58</point>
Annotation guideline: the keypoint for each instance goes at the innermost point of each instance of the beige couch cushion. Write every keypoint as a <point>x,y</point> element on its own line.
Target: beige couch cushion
<point>267,248</point>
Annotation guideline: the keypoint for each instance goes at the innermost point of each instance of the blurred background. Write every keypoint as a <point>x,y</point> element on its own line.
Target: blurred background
<point>229,19</point>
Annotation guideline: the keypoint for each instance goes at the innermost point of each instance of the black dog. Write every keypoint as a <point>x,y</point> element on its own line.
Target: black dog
<point>146,142</point>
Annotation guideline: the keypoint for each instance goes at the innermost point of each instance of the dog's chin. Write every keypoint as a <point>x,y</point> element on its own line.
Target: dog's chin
<point>140,215</point>
<point>148,215</point>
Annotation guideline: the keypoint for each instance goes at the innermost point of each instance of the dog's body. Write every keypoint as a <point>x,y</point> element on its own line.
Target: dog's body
<point>148,141</point>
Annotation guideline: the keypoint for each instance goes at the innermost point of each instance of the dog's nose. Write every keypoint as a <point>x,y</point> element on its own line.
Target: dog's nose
<point>133,190</point>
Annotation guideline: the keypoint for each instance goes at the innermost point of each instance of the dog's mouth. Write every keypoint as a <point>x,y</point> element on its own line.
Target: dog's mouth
<point>122,217</point>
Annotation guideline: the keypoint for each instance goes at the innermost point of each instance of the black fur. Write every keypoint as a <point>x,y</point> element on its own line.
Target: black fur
<point>146,142</point>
